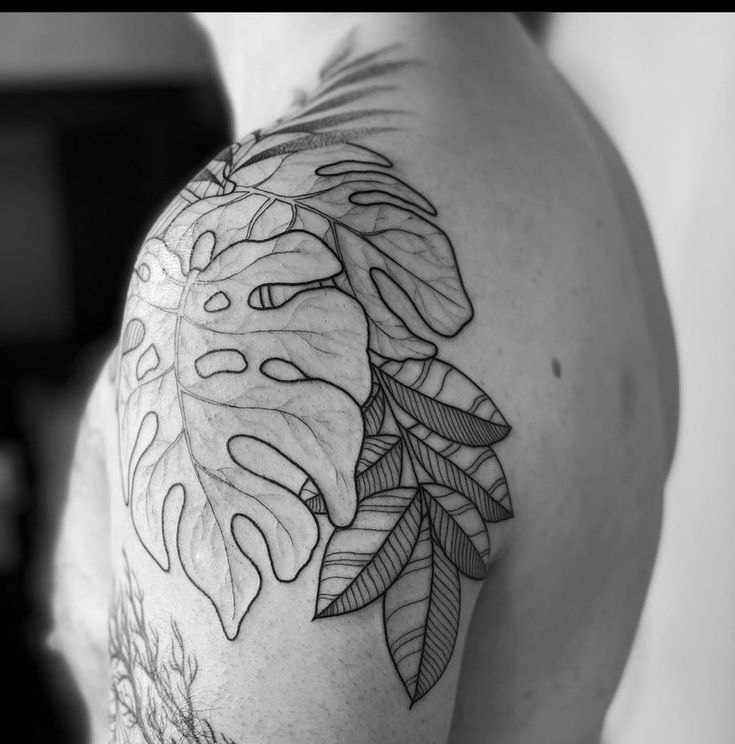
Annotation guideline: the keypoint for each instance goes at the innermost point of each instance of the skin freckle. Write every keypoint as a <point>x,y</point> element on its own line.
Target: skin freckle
<point>556,367</point>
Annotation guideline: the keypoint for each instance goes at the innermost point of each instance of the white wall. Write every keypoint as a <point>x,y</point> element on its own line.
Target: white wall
<point>664,87</point>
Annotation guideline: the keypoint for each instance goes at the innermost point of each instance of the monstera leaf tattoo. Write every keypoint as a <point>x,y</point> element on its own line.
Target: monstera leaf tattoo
<point>232,404</point>
<point>279,370</point>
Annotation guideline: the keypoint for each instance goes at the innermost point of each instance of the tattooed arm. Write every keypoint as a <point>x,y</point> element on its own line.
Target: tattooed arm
<point>307,488</point>
<point>283,408</point>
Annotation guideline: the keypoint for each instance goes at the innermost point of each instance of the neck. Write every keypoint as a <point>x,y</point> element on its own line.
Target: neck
<point>265,59</point>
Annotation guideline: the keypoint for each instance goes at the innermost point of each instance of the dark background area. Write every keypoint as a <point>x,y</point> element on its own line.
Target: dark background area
<point>103,117</point>
<point>88,158</point>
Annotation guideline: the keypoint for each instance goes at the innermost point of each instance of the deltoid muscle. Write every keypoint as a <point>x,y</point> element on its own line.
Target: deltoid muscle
<point>276,365</point>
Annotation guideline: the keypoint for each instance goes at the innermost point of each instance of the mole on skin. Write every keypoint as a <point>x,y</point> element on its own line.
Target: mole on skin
<point>556,367</point>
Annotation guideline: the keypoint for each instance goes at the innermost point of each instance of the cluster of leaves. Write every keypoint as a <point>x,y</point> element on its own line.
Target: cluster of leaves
<point>428,479</point>
<point>285,261</point>
<point>152,682</point>
<point>428,482</point>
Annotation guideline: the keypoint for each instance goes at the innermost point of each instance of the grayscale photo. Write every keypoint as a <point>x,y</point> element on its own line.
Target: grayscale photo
<point>364,377</point>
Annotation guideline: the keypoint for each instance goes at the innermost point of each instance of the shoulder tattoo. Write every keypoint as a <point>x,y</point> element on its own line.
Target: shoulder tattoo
<point>279,374</point>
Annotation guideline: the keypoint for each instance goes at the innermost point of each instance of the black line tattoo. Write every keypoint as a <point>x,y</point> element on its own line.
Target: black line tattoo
<point>277,363</point>
<point>152,678</point>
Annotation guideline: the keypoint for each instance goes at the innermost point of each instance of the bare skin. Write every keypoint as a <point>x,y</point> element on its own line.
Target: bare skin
<point>570,338</point>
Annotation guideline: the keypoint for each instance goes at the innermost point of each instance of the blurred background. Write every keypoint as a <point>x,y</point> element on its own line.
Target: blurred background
<point>103,117</point>
<point>103,109</point>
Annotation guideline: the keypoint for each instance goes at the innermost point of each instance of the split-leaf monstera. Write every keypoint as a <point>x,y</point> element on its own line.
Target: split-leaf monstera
<point>397,263</point>
<point>233,404</point>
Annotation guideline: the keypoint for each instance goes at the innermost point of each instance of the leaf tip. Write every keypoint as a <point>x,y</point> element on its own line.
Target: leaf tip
<point>320,614</point>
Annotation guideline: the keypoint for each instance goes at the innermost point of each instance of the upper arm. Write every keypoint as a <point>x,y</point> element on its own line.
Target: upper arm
<point>308,491</point>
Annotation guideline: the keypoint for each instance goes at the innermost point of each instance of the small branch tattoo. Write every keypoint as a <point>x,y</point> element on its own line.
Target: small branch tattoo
<point>153,678</point>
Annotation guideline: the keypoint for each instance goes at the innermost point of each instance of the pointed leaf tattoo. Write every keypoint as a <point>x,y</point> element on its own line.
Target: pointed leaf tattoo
<point>379,466</point>
<point>458,527</point>
<point>361,562</point>
<point>492,501</point>
<point>421,611</point>
<point>445,401</point>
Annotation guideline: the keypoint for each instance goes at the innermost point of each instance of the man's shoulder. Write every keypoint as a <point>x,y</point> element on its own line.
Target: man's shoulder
<point>555,246</point>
